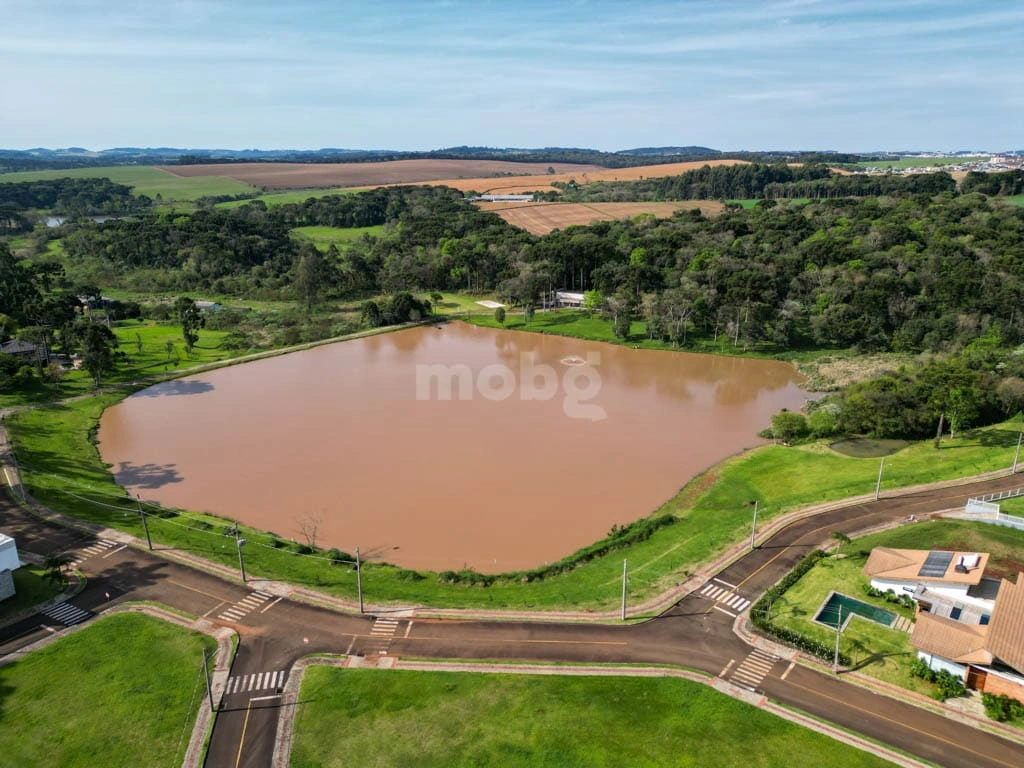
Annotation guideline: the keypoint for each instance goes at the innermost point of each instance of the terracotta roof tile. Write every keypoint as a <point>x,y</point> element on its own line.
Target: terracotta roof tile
<point>1006,627</point>
<point>964,643</point>
<point>905,565</point>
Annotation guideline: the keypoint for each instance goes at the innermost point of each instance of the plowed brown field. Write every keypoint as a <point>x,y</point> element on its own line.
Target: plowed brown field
<point>541,218</point>
<point>302,175</point>
<point>467,175</point>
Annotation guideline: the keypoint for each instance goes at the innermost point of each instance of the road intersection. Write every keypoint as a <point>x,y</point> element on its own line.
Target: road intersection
<point>277,626</point>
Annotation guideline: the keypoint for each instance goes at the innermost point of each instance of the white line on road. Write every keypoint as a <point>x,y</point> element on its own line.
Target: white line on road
<point>272,605</point>
<point>727,613</point>
<point>114,552</point>
<point>408,629</point>
<point>266,698</point>
<point>731,586</point>
<point>788,669</point>
<point>726,667</point>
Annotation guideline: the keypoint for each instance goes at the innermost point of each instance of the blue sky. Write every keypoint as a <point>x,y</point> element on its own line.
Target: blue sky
<point>730,74</point>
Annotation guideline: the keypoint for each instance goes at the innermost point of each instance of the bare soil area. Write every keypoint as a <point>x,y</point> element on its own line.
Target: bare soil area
<point>541,218</point>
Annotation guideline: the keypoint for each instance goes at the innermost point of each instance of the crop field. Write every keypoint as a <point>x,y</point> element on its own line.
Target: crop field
<point>274,199</point>
<point>145,180</point>
<point>298,175</point>
<point>541,218</point>
<point>524,184</point>
<point>466,175</point>
<point>920,162</point>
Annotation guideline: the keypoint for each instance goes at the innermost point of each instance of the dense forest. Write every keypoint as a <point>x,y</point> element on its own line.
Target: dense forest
<point>927,270</point>
<point>67,197</point>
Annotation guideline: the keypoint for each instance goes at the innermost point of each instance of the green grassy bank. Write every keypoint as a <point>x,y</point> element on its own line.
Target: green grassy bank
<point>144,180</point>
<point>62,468</point>
<point>123,692</point>
<point>376,718</point>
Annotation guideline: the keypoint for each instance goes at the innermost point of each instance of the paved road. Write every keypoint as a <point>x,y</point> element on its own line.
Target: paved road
<point>696,633</point>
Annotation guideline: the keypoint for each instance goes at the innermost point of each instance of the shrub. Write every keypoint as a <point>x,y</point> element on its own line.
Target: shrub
<point>787,425</point>
<point>1001,707</point>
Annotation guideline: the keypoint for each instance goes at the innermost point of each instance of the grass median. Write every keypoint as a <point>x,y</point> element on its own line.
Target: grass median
<point>122,692</point>
<point>377,718</point>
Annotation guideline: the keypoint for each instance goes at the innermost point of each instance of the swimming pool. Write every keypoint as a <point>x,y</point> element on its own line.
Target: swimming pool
<point>829,614</point>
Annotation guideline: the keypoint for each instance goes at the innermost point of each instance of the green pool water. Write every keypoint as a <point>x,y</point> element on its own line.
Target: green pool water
<point>829,613</point>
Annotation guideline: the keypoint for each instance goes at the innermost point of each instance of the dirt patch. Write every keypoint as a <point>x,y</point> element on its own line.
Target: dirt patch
<point>541,218</point>
<point>828,374</point>
<point>309,175</point>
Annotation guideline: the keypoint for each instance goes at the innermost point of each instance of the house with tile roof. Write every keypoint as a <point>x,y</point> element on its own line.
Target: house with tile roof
<point>951,584</point>
<point>987,657</point>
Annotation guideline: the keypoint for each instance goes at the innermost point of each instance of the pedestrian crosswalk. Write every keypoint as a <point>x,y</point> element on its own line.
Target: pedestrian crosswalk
<point>383,630</point>
<point>723,594</point>
<point>257,681</point>
<point>754,669</point>
<point>66,613</point>
<point>244,607</point>
<point>93,550</point>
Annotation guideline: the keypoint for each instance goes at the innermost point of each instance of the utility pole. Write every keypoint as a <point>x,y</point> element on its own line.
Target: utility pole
<point>241,563</point>
<point>206,675</point>
<point>624,578</point>
<point>839,631</point>
<point>753,527</point>
<point>878,485</point>
<point>359,580</point>
<point>17,473</point>
<point>1016,456</point>
<point>145,525</point>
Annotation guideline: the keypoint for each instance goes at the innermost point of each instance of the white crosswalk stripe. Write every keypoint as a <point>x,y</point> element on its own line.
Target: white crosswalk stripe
<point>257,681</point>
<point>724,596</point>
<point>91,551</point>
<point>245,606</point>
<point>754,669</point>
<point>66,613</point>
<point>384,630</point>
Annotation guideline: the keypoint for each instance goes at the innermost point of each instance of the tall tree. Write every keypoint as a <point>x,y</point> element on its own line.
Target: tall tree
<point>191,319</point>
<point>312,275</point>
<point>98,345</point>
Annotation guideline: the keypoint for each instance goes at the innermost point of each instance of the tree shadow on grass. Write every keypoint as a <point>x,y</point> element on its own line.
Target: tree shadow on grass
<point>877,658</point>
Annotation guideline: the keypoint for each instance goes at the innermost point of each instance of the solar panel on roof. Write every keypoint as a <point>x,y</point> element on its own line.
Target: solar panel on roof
<point>935,565</point>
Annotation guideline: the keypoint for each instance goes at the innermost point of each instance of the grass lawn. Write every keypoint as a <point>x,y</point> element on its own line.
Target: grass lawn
<point>144,180</point>
<point>875,650</point>
<point>1015,199</point>
<point>123,692</point>
<point>31,587</point>
<point>323,237</point>
<point>144,345</point>
<point>375,718</point>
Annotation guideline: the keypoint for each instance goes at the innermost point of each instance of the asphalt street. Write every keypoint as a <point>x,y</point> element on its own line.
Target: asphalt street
<point>697,632</point>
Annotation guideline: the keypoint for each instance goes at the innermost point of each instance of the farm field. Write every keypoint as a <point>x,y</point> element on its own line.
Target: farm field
<point>375,718</point>
<point>466,175</point>
<point>524,184</point>
<point>145,180</point>
<point>541,218</point>
<point>298,175</point>
<point>115,694</point>
<point>274,199</point>
<point>919,162</point>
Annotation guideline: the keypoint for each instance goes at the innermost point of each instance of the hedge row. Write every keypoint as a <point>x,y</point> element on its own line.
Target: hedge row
<point>759,614</point>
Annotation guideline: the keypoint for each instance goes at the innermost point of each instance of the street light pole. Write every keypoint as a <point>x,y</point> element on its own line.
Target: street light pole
<point>839,630</point>
<point>145,525</point>
<point>206,674</point>
<point>241,563</point>
<point>753,527</point>
<point>624,577</point>
<point>1016,455</point>
<point>878,485</point>
<point>359,579</point>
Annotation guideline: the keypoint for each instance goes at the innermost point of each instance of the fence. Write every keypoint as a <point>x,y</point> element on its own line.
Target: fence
<point>985,510</point>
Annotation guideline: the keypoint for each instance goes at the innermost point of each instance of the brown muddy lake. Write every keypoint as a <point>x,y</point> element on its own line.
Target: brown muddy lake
<point>439,448</point>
